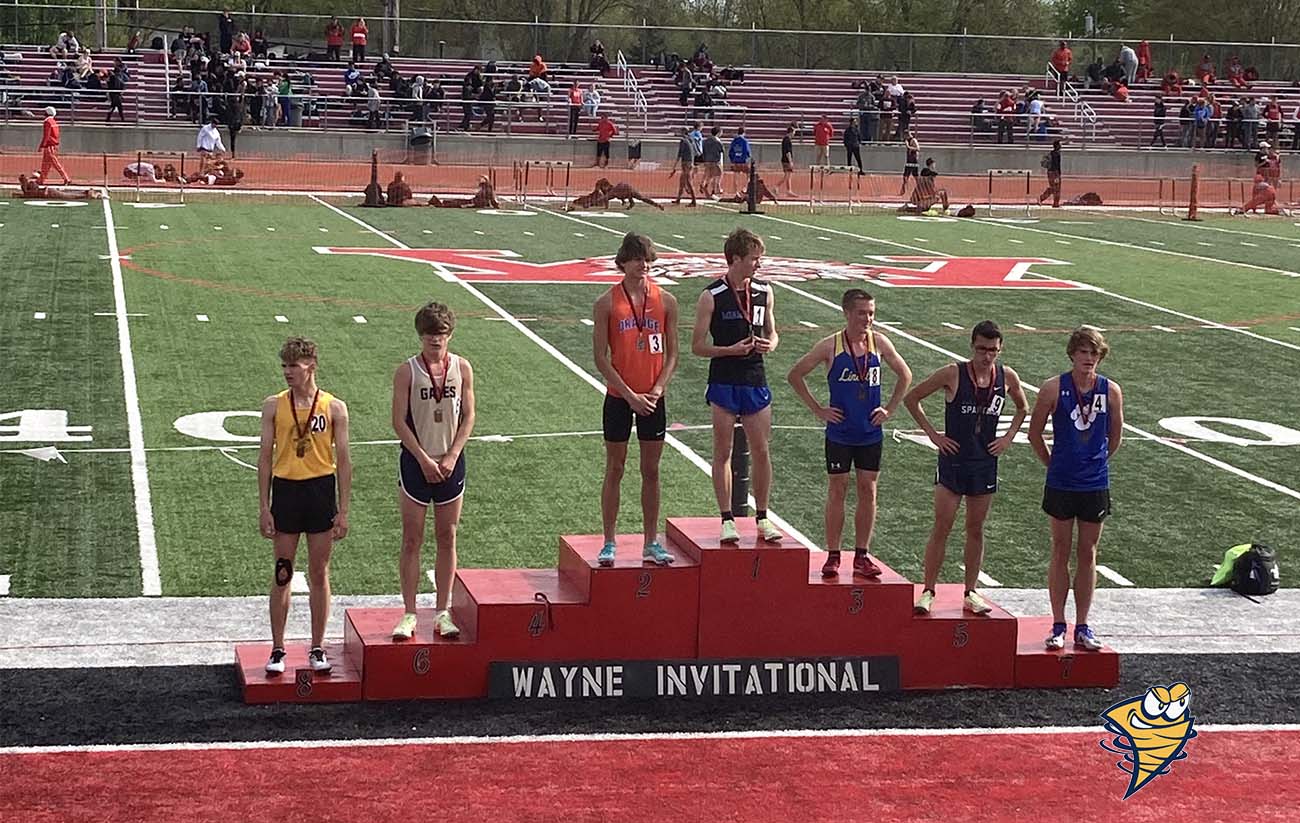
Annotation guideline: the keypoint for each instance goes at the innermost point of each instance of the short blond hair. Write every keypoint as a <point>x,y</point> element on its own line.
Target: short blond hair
<point>741,243</point>
<point>297,349</point>
<point>1087,336</point>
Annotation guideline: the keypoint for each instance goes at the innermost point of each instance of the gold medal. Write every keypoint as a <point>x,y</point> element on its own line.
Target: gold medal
<point>302,446</point>
<point>303,431</point>
<point>437,415</point>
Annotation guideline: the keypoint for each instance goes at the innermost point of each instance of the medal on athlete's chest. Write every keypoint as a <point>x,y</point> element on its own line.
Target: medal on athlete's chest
<point>862,393</point>
<point>437,415</point>
<point>640,344</point>
<point>300,447</point>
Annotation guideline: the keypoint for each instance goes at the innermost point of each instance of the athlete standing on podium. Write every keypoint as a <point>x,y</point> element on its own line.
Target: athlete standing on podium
<point>975,392</point>
<point>304,442</point>
<point>1087,413</point>
<point>433,416</point>
<point>854,418</point>
<point>736,311</point>
<point>634,338</point>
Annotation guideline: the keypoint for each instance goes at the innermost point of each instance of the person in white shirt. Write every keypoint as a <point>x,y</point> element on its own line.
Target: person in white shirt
<point>209,144</point>
<point>1295,125</point>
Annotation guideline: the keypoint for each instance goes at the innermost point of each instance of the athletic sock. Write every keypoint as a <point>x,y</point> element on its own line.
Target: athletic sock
<point>1058,628</point>
<point>969,592</point>
<point>760,514</point>
<point>727,516</point>
<point>858,554</point>
<point>930,591</point>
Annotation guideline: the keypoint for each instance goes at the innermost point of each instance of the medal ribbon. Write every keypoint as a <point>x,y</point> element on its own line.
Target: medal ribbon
<point>438,391</point>
<point>645,305</point>
<point>982,401</point>
<point>303,431</point>
<point>745,300</point>
<point>863,371</point>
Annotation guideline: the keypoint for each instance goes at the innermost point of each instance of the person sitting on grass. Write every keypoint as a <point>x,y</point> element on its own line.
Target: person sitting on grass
<point>926,193</point>
<point>29,188</point>
<point>216,174</point>
<point>606,191</point>
<point>484,198</point>
<point>399,192</point>
<point>1262,196</point>
<point>761,190</point>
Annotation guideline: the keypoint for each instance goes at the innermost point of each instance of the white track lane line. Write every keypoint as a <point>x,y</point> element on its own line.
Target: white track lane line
<point>1113,576</point>
<point>150,578</point>
<point>586,376</point>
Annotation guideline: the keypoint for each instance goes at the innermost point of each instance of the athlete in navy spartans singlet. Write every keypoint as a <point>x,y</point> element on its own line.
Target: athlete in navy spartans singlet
<point>854,417</point>
<point>975,393</point>
<point>1087,414</point>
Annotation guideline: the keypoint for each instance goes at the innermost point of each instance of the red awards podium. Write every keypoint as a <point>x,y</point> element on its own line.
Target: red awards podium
<point>752,618</point>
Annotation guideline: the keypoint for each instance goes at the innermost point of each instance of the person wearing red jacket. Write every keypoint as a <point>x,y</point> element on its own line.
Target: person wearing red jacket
<point>359,32</point>
<point>575,107</point>
<point>822,134</point>
<point>333,39</point>
<point>1145,71</point>
<point>605,131</point>
<point>50,148</point>
<point>1061,60</point>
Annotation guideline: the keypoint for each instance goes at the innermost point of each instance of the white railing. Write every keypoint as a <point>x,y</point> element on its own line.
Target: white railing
<point>1083,112</point>
<point>632,86</point>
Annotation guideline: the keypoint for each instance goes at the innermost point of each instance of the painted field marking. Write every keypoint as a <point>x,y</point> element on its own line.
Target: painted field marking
<point>1113,576</point>
<point>39,315</point>
<point>280,318</point>
<point>202,318</point>
<point>480,233</point>
<point>529,234</point>
<point>587,321</point>
<point>773,236</point>
<point>1252,245</point>
<point>4,585</point>
<point>579,234</point>
<point>323,230</point>
<point>433,579</point>
<point>150,577</point>
<point>1155,242</point>
<point>520,319</point>
<point>679,236</point>
<point>968,240</point>
<point>983,578</point>
<point>1024,326</point>
<point>114,314</point>
<point>809,324</point>
<point>920,240</point>
<point>299,583</point>
<point>216,228</point>
<point>270,228</point>
<point>1064,242</point>
<point>1203,243</point>
<point>954,326</point>
<point>1014,240</point>
<point>359,318</point>
<point>1294,328</point>
<point>1164,328</point>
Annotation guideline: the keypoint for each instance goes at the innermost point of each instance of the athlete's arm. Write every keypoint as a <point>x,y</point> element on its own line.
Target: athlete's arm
<point>670,346</point>
<point>1116,416</point>
<point>946,379</point>
<point>770,338</point>
<point>266,523</point>
<point>819,355</point>
<point>401,407</point>
<point>466,427</point>
<point>600,347</point>
<point>700,345</point>
<point>342,457</point>
<point>1043,408</point>
<point>898,365</point>
<point>1017,392</point>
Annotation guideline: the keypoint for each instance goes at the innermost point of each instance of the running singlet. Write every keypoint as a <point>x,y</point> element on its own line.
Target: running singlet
<point>434,410</point>
<point>731,323</point>
<point>317,440</point>
<point>854,381</point>
<point>1080,438</point>
<point>636,340</point>
<point>913,158</point>
<point>971,417</point>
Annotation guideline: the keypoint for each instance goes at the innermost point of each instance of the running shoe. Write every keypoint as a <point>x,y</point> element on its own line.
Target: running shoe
<point>275,663</point>
<point>863,567</point>
<point>769,532</point>
<point>974,603</point>
<point>444,625</point>
<point>729,533</point>
<point>405,628</point>
<point>606,556</point>
<point>1085,639</point>
<point>831,568</point>
<point>1057,638</point>
<point>316,658</point>
<point>924,603</point>
<point>657,554</point>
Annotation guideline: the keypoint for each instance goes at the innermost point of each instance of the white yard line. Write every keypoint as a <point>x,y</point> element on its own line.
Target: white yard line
<point>954,326</point>
<point>1164,328</point>
<point>564,360</point>
<point>4,585</point>
<point>1113,576</point>
<point>150,578</point>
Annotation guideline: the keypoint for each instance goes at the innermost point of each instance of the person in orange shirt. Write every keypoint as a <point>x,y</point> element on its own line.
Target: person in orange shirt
<point>359,32</point>
<point>1262,196</point>
<point>1061,60</point>
<point>50,148</point>
<point>1145,71</point>
<point>822,133</point>
<point>634,340</point>
<point>333,39</point>
<point>605,131</point>
<point>537,68</point>
<point>575,107</point>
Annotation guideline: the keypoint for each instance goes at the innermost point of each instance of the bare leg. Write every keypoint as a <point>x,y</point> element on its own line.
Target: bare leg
<point>1085,575</point>
<point>651,451</point>
<point>615,457</point>
<point>836,493</point>
<point>319,547</point>
<point>1058,570</point>
<point>408,567</point>
<point>723,424</point>
<point>977,511</point>
<point>758,430</point>
<point>946,504</point>
<point>286,547</point>
<point>446,518</point>
<point>864,518</point>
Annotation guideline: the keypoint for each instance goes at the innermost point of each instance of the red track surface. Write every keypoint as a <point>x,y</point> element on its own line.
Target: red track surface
<point>1228,775</point>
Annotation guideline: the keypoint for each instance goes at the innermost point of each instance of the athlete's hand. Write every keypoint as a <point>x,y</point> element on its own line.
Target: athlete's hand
<point>432,470</point>
<point>1001,444</point>
<point>448,464</point>
<point>945,444</point>
<point>762,345</point>
<point>879,415</point>
<point>643,404</point>
<point>829,414</point>
<point>340,525</point>
<point>266,524</point>
<point>741,348</point>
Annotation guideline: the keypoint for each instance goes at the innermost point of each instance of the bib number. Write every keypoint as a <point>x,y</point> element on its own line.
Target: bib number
<point>656,343</point>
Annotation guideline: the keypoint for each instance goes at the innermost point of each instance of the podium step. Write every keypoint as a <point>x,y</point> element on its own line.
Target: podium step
<point>760,599</point>
<point>298,684</point>
<point>426,666</point>
<point>952,647</point>
<point>1068,668</point>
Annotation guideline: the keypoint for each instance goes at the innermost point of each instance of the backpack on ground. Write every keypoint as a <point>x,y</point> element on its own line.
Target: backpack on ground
<point>1250,568</point>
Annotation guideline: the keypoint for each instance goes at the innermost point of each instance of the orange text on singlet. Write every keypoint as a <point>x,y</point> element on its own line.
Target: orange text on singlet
<point>637,354</point>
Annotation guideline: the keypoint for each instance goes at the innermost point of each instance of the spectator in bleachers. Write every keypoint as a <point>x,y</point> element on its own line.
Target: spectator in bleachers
<point>1216,119</point>
<point>268,102</point>
<point>537,68</point>
<point>1172,84</point>
<point>1158,121</point>
<point>487,98</point>
<point>65,46</point>
<point>419,108</point>
<point>384,70</point>
<point>1234,127</point>
<point>853,144</point>
<point>1128,60</point>
<point>868,113</point>
<point>823,131</point>
<point>739,154</point>
<point>1061,60</point>
<point>434,95</point>
<point>1235,72</point>
<point>115,83</point>
<point>703,103</point>
<point>468,93</point>
<point>83,67</point>
<point>372,107</point>
<point>1295,128</point>
<point>895,91</point>
<point>1205,71</point>
<point>1250,116</point>
<point>980,121</point>
<point>333,39</point>
<point>598,62</point>
<point>591,101</point>
<point>285,92</point>
<point>235,62</point>
<point>1272,120</point>
<point>1145,70</point>
<point>684,80</point>
<point>201,101</point>
<point>575,107</point>
<point>1200,122</point>
<point>886,116</point>
<point>538,93</point>
<point>1006,117</point>
<point>605,132</point>
<point>133,42</point>
<point>732,74</point>
<point>787,162</point>
<point>235,110</point>
<point>1033,114</point>
<point>701,59</point>
<point>226,31</point>
<point>906,111</point>
<point>261,46</point>
<point>1094,73</point>
<point>360,31</point>
<point>243,45</point>
<point>351,77</point>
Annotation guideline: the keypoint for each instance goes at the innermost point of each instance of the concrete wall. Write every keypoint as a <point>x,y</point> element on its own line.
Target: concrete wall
<point>501,150</point>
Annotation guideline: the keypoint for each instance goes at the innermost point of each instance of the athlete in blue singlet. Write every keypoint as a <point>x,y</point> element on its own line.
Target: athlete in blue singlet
<point>976,392</point>
<point>1087,413</point>
<point>854,418</point>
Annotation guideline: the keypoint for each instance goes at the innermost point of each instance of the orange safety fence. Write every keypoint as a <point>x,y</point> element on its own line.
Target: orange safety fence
<point>554,180</point>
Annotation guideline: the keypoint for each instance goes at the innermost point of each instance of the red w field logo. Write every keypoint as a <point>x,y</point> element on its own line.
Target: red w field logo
<point>504,266</point>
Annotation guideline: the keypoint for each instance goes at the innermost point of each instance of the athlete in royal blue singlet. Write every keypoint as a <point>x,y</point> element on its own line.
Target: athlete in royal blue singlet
<point>1087,413</point>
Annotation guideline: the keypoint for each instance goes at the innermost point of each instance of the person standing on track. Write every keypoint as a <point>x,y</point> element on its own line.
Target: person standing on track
<point>911,163</point>
<point>634,339</point>
<point>854,418</point>
<point>50,148</point>
<point>303,456</point>
<point>433,416</point>
<point>737,312</point>
<point>1087,414</point>
<point>1052,163</point>
<point>974,393</point>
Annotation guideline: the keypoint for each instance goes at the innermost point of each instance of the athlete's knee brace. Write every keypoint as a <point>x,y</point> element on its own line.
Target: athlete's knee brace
<point>283,571</point>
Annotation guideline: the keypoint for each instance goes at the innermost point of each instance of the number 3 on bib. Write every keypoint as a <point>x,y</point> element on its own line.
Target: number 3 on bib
<point>656,343</point>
